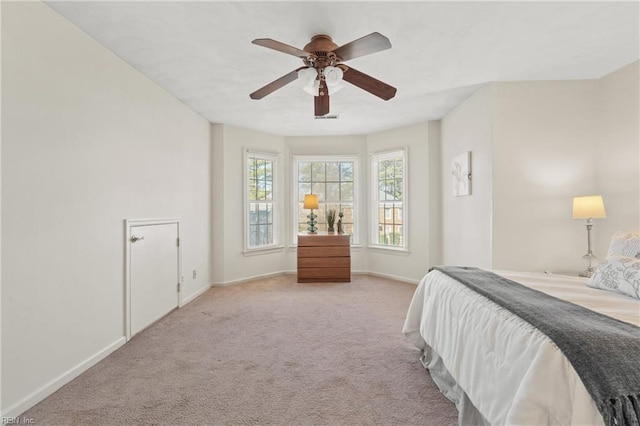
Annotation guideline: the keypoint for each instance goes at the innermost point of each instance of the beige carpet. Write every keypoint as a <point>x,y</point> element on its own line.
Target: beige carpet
<point>265,352</point>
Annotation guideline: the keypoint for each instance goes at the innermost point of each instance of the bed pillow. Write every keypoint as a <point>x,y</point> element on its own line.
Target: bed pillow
<point>620,274</point>
<point>625,244</point>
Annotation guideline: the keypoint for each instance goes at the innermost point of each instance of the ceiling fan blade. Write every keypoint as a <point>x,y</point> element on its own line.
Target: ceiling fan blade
<point>321,102</point>
<point>371,43</point>
<point>276,84</point>
<point>280,47</point>
<point>370,84</point>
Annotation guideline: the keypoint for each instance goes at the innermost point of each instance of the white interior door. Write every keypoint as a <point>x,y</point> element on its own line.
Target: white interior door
<point>154,269</point>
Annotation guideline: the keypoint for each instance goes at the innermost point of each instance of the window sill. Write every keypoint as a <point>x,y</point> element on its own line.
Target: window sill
<point>390,250</point>
<point>262,250</point>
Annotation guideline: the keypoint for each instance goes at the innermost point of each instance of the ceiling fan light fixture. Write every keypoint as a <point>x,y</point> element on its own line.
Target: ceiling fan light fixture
<point>333,78</point>
<point>313,88</point>
<point>309,80</point>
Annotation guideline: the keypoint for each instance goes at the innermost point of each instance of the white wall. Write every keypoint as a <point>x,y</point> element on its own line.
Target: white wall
<point>544,135</point>
<point>618,153</point>
<point>230,263</point>
<point>415,263</point>
<point>87,142</point>
<point>543,143</point>
<point>467,220</point>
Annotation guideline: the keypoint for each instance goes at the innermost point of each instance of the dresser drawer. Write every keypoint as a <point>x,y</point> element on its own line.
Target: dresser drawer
<point>324,275</point>
<point>322,240</point>
<point>324,262</point>
<point>326,251</point>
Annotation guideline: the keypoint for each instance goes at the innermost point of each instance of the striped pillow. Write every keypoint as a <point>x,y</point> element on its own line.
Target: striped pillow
<point>625,244</point>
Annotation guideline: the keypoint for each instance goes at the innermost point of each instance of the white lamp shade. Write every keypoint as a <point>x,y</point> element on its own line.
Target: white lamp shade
<point>588,207</point>
<point>333,78</point>
<point>309,80</point>
<point>310,201</point>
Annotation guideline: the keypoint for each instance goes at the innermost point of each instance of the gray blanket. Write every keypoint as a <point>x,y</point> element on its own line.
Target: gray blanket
<point>604,352</point>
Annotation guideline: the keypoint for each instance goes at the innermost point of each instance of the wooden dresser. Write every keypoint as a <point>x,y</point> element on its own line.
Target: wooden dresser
<point>324,257</point>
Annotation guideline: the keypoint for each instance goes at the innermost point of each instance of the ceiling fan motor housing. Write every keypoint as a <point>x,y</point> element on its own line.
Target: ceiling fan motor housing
<point>321,47</point>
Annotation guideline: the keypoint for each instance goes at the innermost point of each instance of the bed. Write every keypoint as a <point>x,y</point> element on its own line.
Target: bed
<point>496,367</point>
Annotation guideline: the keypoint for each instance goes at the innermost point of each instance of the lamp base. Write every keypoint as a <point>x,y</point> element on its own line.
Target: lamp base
<point>591,262</point>
<point>312,223</point>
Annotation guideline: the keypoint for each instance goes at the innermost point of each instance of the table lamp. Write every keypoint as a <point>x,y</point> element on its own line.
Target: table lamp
<point>589,207</point>
<point>311,203</point>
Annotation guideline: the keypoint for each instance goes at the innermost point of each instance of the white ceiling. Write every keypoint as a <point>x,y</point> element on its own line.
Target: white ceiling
<point>201,52</point>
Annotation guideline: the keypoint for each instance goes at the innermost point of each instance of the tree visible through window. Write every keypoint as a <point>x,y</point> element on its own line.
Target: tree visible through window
<point>388,172</point>
<point>260,169</point>
<point>334,181</point>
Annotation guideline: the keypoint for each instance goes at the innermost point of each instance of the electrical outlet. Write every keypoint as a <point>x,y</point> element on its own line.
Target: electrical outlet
<point>194,274</point>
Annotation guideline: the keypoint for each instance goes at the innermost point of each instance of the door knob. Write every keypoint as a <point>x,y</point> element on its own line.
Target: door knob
<point>133,238</point>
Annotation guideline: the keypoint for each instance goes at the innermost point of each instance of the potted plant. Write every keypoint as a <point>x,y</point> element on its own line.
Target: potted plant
<point>331,219</point>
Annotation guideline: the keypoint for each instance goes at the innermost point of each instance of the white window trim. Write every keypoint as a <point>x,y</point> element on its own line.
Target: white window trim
<point>277,244</point>
<point>295,159</point>
<point>376,157</point>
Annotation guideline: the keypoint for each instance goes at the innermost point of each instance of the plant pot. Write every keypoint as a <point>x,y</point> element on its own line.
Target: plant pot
<point>331,231</point>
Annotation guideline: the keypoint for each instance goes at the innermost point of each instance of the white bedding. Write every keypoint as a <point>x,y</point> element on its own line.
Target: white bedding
<point>511,372</point>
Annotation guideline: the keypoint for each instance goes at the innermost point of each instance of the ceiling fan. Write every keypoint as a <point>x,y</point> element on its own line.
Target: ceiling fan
<point>324,70</point>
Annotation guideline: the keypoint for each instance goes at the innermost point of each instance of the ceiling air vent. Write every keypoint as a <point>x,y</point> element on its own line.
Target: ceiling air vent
<point>326,117</point>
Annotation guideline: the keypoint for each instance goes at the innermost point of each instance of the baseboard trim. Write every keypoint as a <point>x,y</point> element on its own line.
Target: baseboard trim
<point>195,295</point>
<point>55,384</point>
<point>247,279</point>
<point>294,272</point>
<point>394,277</point>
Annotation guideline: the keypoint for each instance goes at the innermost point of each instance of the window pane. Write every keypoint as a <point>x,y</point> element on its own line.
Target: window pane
<point>317,171</point>
<point>398,189</point>
<point>333,192</point>
<point>269,213</point>
<point>270,234</point>
<point>252,168</point>
<point>346,171</point>
<point>302,213</point>
<point>397,230</point>
<point>304,172</point>
<point>268,174</point>
<point>348,228</point>
<point>268,194</point>
<point>398,167</point>
<point>384,171</point>
<point>260,190</point>
<point>382,190</point>
<point>262,235</point>
<point>398,215</point>
<point>266,213</point>
<point>253,194</point>
<point>253,235</point>
<point>333,172</point>
<point>346,190</point>
<point>303,188</point>
<point>319,189</point>
<point>253,214</point>
<point>347,215</point>
<point>260,169</point>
